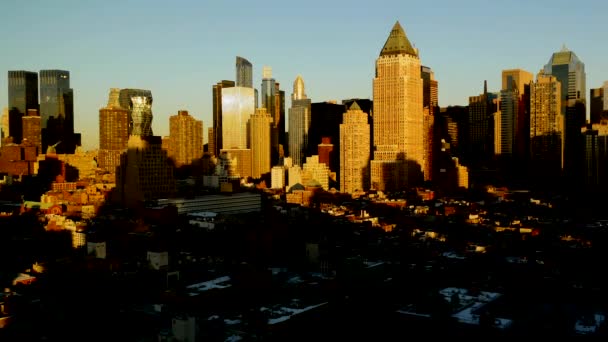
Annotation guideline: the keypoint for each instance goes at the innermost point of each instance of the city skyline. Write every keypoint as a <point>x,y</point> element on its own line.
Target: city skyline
<point>179,54</point>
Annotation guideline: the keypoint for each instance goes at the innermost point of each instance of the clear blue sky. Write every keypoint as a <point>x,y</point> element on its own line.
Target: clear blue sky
<point>179,49</point>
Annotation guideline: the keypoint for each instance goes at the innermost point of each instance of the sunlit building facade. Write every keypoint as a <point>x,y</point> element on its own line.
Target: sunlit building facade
<point>237,106</point>
<point>185,138</point>
<point>113,132</point>
<point>260,137</point>
<point>398,117</point>
<point>354,151</point>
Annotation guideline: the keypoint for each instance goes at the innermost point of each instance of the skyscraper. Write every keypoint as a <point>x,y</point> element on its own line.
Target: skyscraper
<point>598,102</point>
<point>270,93</point>
<point>515,116</point>
<point>237,107</point>
<point>113,132</point>
<point>299,122</point>
<point>22,96</point>
<point>481,128</point>
<point>430,103</point>
<point>139,104</point>
<point>217,116</point>
<point>244,73</point>
<point>260,138</point>
<point>546,130</point>
<point>185,138</point>
<point>57,110</point>
<point>398,117</point>
<point>570,72</point>
<point>354,151</point>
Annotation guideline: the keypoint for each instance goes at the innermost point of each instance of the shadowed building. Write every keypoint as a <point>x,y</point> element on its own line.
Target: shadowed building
<point>513,126</point>
<point>482,109</point>
<point>57,111</point>
<point>185,138</point>
<point>113,132</point>
<point>271,101</point>
<point>31,130</point>
<point>570,72</point>
<point>145,172</point>
<point>595,167</point>
<point>299,122</point>
<point>546,131</point>
<point>398,117</point>
<point>598,103</point>
<point>354,151</point>
<point>22,96</point>
<point>430,103</point>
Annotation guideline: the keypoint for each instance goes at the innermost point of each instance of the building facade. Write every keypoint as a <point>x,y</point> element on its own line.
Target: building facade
<point>354,151</point>
<point>113,132</point>
<point>546,129</point>
<point>215,144</point>
<point>260,134</point>
<point>598,104</point>
<point>568,69</point>
<point>398,117</point>
<point>57,110</point>
<point>244,73</point>
<point>430,103</point>
<point>299,122</point>
<point>22,96</point>
<point>185,138</point>
<point>237,106</point>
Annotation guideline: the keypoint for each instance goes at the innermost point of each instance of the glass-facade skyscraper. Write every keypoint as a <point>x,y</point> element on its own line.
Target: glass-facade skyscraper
<point>139,104</point>
<point>22,96</point>
<point>57,110</point>
<point>244,73</point>
<point>570,72</point>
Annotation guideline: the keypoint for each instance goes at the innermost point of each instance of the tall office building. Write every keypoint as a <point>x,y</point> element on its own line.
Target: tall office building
<point>260,137</point>
<point>598,103</point>
<point>237,107</point>
<point>482,109</point>
<point>570,72</point>
<point>430,103</point>
<point>57,111</point>
<point>185,138</point>
<point>216,143</point>
<point>299,122</point>
<point>271,102</point>
<point>244,73</point>
<point>398,117</point>
<point>546,130</point>
<point>22,96</point>
<point>113,132</point>
<point>354,151</point>
<point>514,108</point>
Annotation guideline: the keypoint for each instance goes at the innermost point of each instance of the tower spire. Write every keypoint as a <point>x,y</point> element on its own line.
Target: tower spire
<point>397,43</point>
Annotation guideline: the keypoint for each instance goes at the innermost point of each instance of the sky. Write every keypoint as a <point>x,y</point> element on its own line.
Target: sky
<point>178,49</point>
